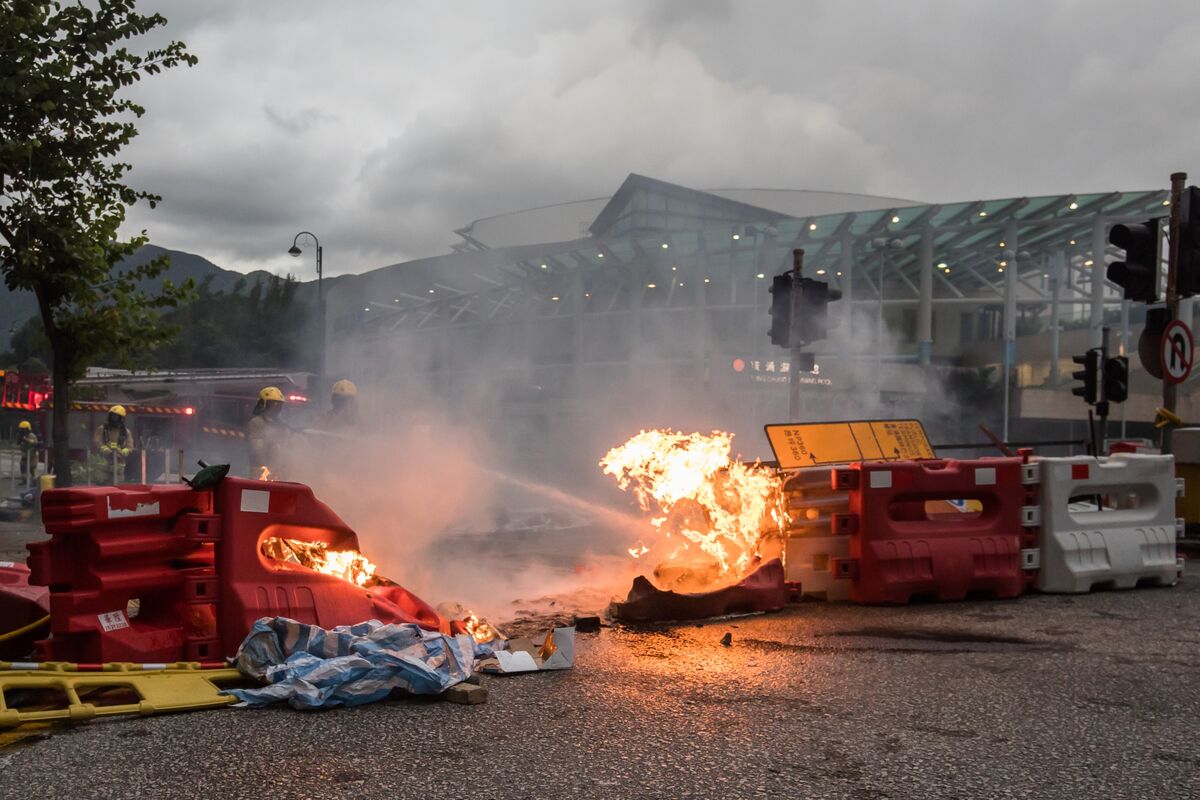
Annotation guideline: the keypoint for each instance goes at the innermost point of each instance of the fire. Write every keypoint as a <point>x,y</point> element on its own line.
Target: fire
<point>480,629</point>
<point>349,565</point>
<point>712,511</point>
<point>265,474</point>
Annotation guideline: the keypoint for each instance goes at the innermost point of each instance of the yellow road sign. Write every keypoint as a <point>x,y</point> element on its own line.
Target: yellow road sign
<point>809,444</point>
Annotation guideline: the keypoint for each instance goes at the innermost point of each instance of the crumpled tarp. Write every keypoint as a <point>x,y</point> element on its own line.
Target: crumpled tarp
<point>350,665</point>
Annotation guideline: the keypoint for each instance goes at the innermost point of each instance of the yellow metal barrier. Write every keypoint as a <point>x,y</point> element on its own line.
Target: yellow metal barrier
<point>61,691</point>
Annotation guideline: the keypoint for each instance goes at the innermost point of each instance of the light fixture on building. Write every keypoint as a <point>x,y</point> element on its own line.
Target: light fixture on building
<point>431,291</point>
<point>942,265</point>
<point>674,268</point>
<point>1166,202</point>
<point>737,236</point>
<point>1072,242</point>
<point>1073,205</point>
<point>895,219</point>
<point>999,269</point>
<point>760,276</point>
<point>599,255</point>
<point>820,272</point>
<point>839,274</point>
<point>665,245</point>
<point>812,226</point>
<point>706,280</point>
<point>983,213</point>
<point>554,298</point>
<point>544,266</point>
<point>366,308</point>
<point>651,285</point>
<point>1087,263</point>
<point>1004,263</point>
<point>1002,244</point>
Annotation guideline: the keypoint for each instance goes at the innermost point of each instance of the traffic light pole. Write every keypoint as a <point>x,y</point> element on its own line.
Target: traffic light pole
<point>1102,388</point>
<point>1178,179</point>
<point>797,310</point>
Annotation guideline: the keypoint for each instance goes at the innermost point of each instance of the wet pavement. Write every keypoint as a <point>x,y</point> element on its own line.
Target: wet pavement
<point>1046,696</point>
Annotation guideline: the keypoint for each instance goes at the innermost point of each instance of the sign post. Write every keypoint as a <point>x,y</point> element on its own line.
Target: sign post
<point>1169,394</point>
<point>797,311</point>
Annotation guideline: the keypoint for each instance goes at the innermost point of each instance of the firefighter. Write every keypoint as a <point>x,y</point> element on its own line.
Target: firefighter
<point>343,411</point>
<point>30,444</point>
<point>115,443</point>
<point>265,434</point>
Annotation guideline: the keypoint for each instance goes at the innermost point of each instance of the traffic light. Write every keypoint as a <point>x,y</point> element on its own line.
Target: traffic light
<point>1116,379</point>
<point>1090,375</point>
<point>812,324</point>
<point>1187,268</point>
<point>781,310</point>
<point>1137,275</point>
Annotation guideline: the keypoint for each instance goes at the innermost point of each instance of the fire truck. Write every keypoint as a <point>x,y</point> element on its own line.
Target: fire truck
<point>193,414</point>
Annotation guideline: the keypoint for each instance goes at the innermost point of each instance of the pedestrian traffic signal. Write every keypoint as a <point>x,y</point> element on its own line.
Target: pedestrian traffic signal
<point>781,310</point>
<point>1187,267</point>
<point>1089,375</point>
<point>1116,379</point>
<point>1137,275</point>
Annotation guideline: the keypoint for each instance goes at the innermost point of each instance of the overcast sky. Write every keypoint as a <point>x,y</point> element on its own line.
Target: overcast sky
<point>382,126</point>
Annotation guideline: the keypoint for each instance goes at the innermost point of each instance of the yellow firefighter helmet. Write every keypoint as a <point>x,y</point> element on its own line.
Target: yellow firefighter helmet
<point>24,425</point>
<point>118,410</point>
<point>271,393</point>
<point>345,388</point>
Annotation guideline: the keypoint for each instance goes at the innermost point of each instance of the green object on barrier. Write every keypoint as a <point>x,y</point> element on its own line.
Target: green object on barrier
<point>208,476</point>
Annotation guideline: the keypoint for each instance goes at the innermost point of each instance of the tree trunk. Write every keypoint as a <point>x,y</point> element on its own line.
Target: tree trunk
<point>60,432</point>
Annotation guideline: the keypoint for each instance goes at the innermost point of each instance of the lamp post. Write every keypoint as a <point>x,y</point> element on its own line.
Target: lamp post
<point>295,251</point>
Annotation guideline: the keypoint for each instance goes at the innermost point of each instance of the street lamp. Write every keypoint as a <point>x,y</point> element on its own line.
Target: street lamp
<point>295,251</point>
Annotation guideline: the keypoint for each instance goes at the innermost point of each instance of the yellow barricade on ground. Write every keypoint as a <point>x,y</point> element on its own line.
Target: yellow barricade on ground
<point>59,691</point>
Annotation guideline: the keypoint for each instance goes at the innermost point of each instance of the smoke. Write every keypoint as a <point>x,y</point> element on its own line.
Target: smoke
<point>473,473</point>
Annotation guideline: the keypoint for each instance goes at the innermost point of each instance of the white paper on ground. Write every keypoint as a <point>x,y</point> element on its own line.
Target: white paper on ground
<point>523,655</point>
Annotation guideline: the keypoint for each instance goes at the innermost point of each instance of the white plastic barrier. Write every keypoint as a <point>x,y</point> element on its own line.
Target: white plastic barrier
<point>809,560</point>
<point>810,547</point>
<point>1083,547</point>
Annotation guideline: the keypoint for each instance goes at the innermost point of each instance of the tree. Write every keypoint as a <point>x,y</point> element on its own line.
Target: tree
<point>63,189</point>
<point>264,326</point>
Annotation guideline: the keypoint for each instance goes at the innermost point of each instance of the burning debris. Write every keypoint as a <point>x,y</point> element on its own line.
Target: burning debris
<point>711,511</point>
<point>349,565</point>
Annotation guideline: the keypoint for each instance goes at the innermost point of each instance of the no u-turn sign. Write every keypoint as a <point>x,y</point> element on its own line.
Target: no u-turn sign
<point>1178,351</point>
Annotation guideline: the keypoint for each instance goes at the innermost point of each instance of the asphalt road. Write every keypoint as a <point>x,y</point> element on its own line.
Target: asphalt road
<point>1046,696</point>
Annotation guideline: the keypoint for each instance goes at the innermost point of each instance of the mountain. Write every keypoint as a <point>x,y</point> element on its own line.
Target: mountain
<point>16,307</point>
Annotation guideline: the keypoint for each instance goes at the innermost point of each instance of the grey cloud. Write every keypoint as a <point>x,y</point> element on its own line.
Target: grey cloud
<point>385,126</point>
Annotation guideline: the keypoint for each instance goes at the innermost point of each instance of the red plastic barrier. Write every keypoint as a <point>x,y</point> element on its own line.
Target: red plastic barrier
<point>254,585</point>
<point>20,605</point>
<point>899,549</point>
<point>761,590</point>
<point>130,574</point>
<point>164,573</point>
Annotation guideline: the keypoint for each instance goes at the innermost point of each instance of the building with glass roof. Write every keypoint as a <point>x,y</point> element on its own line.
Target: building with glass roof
<point>656,313</point>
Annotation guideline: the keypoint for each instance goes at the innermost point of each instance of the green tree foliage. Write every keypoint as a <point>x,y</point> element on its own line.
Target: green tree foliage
<point>29,350</point>
<point>63,189</point>
<point>263,327</point>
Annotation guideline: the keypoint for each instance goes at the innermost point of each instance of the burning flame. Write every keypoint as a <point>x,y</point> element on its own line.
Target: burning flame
<point>480,629</point>
<point>711,510</point>
<point>349,565</point>
<point>265,475</point>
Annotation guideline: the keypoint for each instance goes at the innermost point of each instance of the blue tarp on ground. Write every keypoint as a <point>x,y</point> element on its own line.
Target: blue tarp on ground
<point>311,667</point>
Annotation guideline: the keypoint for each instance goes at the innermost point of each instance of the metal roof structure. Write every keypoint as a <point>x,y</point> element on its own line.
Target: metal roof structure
<point>690,249</point>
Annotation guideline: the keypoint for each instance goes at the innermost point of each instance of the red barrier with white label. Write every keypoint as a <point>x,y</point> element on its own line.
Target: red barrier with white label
<point>164,573</point>
<point>255,585</point>
<point>904,544</point>
<point>130,571</point>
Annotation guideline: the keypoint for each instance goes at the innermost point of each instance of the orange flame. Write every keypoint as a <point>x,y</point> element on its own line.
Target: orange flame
<point>349,565</point>
<point>265,474</point>
<point>711,510</point>
<point>480,629</point>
